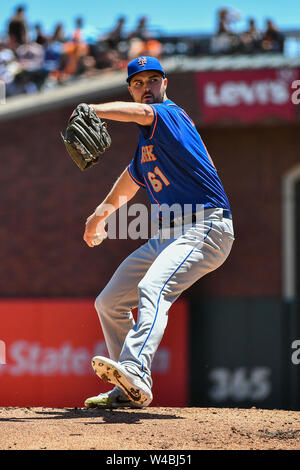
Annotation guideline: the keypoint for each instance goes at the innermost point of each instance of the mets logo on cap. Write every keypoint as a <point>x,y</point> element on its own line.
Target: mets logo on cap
<point>142,61</point>
<point>141,64</point>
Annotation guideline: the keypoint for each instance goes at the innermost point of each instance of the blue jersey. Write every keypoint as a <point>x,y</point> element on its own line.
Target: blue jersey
<point>172,163</point>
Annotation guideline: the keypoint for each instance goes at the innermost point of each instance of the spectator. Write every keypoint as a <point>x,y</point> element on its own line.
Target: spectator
<point>40,37</point>
<point>31,56</point>
<point>251,38</point>
<point>226,17</point>
<point>74,52</point>
<point>9,69</point>
<point>17,28</point>
<point>225,40</point>
<point>66,59</point>
<point>153,48</point>
<point>141,41</point>
<point>111,50</point>
<point>136,48</point>
<point>116,35</point>
<point>59,33</point>
<point>223,22</point>
<point>77,34</point>
<point>105,57</point>
<point>53,54</point>
<point>141,31</point>
<point>272,40</point>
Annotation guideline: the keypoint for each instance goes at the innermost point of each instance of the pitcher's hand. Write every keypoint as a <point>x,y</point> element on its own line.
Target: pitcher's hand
<point>94,232</point>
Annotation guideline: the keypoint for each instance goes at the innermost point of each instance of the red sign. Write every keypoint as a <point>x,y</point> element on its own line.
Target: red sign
<point>47,346</point>
<point>247,96</point>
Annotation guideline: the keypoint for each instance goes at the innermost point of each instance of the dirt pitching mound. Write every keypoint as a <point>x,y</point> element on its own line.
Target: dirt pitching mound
<point>152,428</point>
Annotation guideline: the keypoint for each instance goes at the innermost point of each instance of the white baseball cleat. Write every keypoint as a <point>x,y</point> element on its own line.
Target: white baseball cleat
<point>113,372</point>
<point>115,398</point>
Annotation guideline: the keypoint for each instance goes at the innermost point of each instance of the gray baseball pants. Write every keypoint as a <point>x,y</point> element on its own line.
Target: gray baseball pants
<point>152,278</point>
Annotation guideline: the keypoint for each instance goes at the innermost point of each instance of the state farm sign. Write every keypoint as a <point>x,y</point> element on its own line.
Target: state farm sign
<point>246,96</point>
<point>32,358</point>
<point>46,348</point>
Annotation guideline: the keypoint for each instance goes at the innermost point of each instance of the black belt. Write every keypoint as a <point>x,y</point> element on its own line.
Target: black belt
<point>226,215</point>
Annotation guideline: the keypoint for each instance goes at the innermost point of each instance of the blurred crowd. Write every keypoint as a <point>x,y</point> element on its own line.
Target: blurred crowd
<point>31,60</point>
<point>252,40</point>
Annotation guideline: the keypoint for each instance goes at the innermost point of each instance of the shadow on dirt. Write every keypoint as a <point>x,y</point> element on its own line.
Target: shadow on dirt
<point>106,416</point>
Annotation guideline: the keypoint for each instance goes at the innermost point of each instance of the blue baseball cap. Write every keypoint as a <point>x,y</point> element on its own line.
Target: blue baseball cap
<point>140,64</point>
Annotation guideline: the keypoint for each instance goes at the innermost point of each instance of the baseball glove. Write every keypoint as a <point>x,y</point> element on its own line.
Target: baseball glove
<point>86,137</point>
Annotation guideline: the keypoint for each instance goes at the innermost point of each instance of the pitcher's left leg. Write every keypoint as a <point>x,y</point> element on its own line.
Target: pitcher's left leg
<point>182,262</point>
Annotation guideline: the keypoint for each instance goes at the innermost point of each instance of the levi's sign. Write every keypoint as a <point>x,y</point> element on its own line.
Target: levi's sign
<point>260,92</point>
<point>247,95</point>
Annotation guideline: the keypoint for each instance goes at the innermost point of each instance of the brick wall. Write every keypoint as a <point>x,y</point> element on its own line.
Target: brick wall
<point>251,163</point>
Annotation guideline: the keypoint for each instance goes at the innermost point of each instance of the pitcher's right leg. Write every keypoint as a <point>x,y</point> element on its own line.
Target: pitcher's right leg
<point>115,303</point>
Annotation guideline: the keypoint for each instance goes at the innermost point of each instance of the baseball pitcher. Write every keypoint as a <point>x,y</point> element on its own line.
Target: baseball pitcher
<point>173,165</point>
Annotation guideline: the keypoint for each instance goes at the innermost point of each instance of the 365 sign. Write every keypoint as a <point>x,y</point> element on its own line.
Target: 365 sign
<point>247,96</point>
